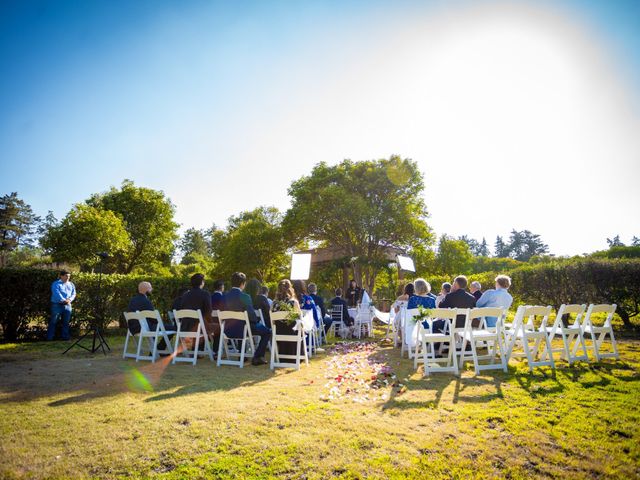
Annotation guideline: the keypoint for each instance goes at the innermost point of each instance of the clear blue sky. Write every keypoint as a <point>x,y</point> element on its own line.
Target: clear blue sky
<point>207,100</point>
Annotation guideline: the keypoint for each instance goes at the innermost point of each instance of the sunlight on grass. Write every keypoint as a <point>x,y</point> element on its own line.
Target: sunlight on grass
<point>86,416</point>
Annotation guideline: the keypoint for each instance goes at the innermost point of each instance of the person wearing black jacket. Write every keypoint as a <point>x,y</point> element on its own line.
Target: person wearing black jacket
<point>458,298</point>
<point>354,294</point>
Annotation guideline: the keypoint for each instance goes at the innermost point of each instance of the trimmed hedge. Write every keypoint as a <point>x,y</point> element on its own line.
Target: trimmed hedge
<point>24,293</point>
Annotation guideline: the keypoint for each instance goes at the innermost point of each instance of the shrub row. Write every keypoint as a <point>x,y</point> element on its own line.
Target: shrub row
<point>24,293</point>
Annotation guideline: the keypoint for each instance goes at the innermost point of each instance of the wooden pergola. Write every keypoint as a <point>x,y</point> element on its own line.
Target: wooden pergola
<point>325,255</point>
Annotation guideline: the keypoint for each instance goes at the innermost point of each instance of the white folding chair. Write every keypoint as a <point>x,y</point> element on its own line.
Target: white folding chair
<point>363,321</point>
<point>398,322</point>
<point>131,336</point>
<point>571,335</point>
<point>322,335</point>
<point>160,333</point>
<point>182,352</point>
<point>491,338</point>
<point>598,333</point>
<point>337,325</point>
<point>432,362</point>
<point>298,339</point>
<point>523,330</point>
<point>409,333</point>
<point>235,347</point>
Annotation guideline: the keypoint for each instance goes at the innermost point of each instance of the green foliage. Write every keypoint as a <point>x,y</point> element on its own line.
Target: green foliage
<point>493,264</point>
<point>83,232</point>
<point>453,257</point>
<point>581,281</point>
<point>17,224</point>
<point>360,207</point>
<point>147,217</point>
<point>27,256</point>
<point>253,243</point>
<point>618,252</point>
<point>24,304</point>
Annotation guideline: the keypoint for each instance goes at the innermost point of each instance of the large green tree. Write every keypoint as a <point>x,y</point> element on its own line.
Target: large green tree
<point>454,256</point>
<point>360,207</point>
<point>252,243</point>
<point>83,232</point>
<point>17,225</point>
<point>147,216</point>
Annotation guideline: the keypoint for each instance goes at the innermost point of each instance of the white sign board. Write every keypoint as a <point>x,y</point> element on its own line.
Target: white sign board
<point>406,263</point>
<point>300,266</point>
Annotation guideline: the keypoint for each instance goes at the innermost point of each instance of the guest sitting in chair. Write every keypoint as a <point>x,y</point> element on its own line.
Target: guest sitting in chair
<point>260,302</point>
<point>476,290</point>
<point>421,297</point>
<point>499,297</point>
<point>264,291</point>
<point>319,301</point>
<point>141,302</point>
<point>338,300</point>
<point>198,298</point>
<point>444,291</point>
<point>217,297</point>
<point>286,295</point>
<point>238,301</point>
<point>409,290</point>
<point>458,298</point>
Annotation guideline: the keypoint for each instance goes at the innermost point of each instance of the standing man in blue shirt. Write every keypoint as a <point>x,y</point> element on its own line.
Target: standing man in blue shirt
<point>63,292</point>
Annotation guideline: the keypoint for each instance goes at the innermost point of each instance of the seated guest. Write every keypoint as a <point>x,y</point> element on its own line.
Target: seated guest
<point>499,297</point>
<point>238,301</point>
<point>421,296</point>
<point>409,289</point>
<point>319,301</point>
<point>476,290</point>
<point>197,298</point>
<point>354,294</point>
<point>338,300</point>
<point>286,295</point>
<point>444,291</point>
<point>260,302</point>
<point>264,291</point>
<point>141,302</point>
<point>217,297</point>
<point>458,298</point>
<point>306,301</point>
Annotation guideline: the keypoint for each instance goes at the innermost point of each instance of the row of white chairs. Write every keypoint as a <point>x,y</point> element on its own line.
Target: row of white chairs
<point>528,336</point>
<point>186,345</point>
<point>362,323</point>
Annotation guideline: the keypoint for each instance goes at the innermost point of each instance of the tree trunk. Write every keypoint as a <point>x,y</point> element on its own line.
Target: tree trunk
<point>626,319</point>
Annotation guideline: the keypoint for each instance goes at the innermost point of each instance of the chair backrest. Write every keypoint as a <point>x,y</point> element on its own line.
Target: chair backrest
<point>336,313</point>
<point>532,315</point>
<point>601,308</point>
<point>131,316</point>
<point>279,316</point>
<point>155,314</point>
<point>225,315</point>
<point>482,314</point>
<point>570,309</point>
<point>179,315</point>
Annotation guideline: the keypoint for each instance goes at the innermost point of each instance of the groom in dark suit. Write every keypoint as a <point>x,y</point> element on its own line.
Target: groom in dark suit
<point>238,301</point>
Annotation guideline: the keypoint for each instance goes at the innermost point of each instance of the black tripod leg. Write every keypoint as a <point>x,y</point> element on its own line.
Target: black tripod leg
<point>77,342</point>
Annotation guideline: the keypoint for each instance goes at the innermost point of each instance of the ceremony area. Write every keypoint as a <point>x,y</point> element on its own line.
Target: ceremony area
<point>316,240</point>
<point>79,416</point>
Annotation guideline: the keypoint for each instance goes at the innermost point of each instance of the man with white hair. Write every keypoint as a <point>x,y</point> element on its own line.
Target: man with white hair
<point>499,297</point>
<point>476,290</point>
<point>141,302</point>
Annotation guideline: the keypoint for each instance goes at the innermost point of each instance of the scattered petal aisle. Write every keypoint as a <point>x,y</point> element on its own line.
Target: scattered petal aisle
<point>359,372</point>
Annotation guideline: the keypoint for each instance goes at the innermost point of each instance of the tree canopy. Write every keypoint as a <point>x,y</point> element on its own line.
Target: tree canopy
<point>18,223</point>
<point>147,217</point>
<point>361,207</point>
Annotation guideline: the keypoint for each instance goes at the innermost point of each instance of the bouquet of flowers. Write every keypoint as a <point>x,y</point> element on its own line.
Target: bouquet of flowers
<point>293,315</point>
<point>423,314</point>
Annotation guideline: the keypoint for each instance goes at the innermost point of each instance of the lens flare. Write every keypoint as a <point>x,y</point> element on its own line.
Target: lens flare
<point>137,381</point>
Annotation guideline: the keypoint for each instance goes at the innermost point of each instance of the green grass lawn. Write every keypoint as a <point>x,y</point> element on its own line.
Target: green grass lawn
<point>79,415</point>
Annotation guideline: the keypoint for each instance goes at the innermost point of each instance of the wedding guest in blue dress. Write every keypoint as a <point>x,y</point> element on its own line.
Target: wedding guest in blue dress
<point>421,298</point>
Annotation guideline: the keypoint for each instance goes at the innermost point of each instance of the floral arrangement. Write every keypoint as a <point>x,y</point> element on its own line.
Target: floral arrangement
<point>423,314</point>
<point>293,314</point>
